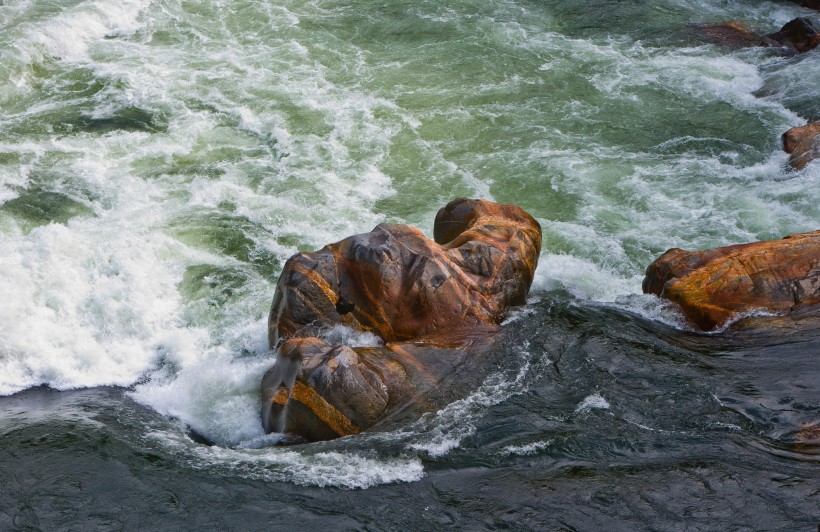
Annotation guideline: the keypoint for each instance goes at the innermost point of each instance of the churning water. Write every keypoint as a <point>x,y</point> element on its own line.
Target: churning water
<point>160,159</point>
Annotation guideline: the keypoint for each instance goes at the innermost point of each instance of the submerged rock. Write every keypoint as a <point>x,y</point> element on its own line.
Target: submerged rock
<point>803,143</point>
<point>801,35</point>
<point>715,286</point>
<point>436,305</point>
<point>732,34</point>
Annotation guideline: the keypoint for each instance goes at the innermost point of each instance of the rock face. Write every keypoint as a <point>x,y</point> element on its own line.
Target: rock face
<point>803,143</point>
<point>714,286</point>
<point>801,35</point>
<point>435,305</point>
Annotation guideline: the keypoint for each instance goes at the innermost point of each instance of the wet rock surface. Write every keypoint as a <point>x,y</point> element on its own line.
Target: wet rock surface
<point>801,35</point>
<point>436,305</point>
<point>803,143</point>
<point>718,285</point>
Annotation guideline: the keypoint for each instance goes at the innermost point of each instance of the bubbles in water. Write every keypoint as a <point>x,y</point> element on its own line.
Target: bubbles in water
<point>344,335</point>
<point>348,470</point>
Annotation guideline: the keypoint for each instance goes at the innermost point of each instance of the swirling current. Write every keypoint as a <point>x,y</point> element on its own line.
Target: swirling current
<point>161,159</point>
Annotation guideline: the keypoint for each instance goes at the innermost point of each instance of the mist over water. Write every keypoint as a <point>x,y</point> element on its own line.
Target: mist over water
<point>160,160</point>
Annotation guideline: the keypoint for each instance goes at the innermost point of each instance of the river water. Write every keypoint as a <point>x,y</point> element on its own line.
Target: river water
<point>161,159</point>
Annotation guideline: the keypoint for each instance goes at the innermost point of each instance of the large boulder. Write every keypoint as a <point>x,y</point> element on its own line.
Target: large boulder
<point>801,35</point>
<point>434,304</point>
<point>803,143</point>
<point>715,286</point>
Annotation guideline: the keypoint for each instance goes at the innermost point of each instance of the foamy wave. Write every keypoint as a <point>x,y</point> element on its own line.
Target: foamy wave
<point>590,402</point>
<point>347,470</point>
<point>82,309</point>
<point>217,396</point>
<point>69,35</point>
<point>437,435</point>
<point>582,278</point>
<point>526,449</point>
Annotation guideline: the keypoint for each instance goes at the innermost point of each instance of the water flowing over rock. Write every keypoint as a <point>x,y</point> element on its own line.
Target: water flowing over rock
<point>803,143</point>
<point>732,34</point>
<point>801,35</point>
<point>435,304</point>
<point>717,285</point>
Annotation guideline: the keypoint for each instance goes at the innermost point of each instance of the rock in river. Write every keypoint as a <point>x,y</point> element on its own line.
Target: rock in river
<point>801,35</point>
<point>715,286</point>
<point>803,143</point>
<point>436,305</point>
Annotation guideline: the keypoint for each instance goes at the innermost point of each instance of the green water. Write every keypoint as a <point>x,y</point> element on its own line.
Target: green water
<point>160,160</point>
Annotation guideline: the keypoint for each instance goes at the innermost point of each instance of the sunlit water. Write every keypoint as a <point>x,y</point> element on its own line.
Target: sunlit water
<point>160,160</point>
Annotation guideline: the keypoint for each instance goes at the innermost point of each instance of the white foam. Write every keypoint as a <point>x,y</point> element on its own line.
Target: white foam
<point>582,278</point>
<point>526,449</point>
<point>347,470</point>
<point>438,434</point>
<point>344,335</point>
<point>654,308</point>
<point>590,402</point>
<point>69,35</point>
<point>82,309</point>
<point>217,396</point>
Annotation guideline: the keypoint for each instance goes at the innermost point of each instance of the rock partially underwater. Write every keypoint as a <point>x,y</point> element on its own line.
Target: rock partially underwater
<point>435,305</point>
<point>796,36</point>
<point>800,35</point>
<point>715,286</point>
<point>803,143</point>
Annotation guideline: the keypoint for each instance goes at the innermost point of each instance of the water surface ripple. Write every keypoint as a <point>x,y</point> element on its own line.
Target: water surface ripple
<point>161,159</point>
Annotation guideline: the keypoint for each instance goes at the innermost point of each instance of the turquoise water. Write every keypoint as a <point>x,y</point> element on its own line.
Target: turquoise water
<point>161,159</point>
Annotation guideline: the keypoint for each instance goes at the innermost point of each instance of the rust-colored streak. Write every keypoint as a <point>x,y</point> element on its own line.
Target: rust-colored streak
<point>713,286</point>
<point>326,412</point>
<point>318,281</point>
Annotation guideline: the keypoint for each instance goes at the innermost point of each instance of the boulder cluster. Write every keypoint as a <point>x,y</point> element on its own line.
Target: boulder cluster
<point>796,36</point>
<point>434,306</point>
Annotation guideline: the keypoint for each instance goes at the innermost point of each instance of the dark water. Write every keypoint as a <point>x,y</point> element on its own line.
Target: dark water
<point>614,422</point>
<point>161,159</point>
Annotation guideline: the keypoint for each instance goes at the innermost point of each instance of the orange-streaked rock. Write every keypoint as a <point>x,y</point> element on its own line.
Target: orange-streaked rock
<point>803,143</point>
<point>398,284</point>
<point>332,391</point>
<point>436,305</point>
<point>713,286</point>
